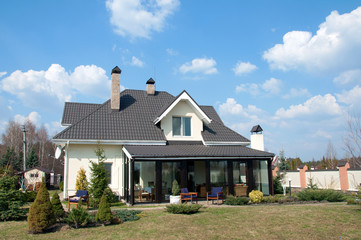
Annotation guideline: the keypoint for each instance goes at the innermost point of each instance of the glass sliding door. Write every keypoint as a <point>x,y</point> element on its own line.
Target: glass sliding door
<point>170,171</point>
<point>218,173</point>
<point>144,181</point>
<point>260,175</point>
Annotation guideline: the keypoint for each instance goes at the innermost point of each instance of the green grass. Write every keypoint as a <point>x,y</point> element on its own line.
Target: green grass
<point>304,221</point>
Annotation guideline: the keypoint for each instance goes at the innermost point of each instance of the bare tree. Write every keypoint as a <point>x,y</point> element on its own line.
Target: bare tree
<point>353,139</point>
<point>13,137</point>
<point>331,156</point>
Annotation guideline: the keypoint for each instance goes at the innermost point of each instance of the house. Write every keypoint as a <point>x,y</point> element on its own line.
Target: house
<point>34,176</point>
<point>151,138</point>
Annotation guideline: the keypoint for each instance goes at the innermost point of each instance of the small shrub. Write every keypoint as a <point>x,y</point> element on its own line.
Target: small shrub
<point>57,206</point>
<point>61,186</point>
<point>351,201</point>
<point>321,195</point>
<point>127,215</point>
<point>287,200</point>
<point>78,217</point>
<point>81,182</point>
<point>277,185</point>
<point>175,188</point>
<point>270,199</point>
<point>111,197</point>
<point>256,196</point>
<point>41,215</point>
<point>104,213</point>
<point>183,208</point>
<point>230,200</point>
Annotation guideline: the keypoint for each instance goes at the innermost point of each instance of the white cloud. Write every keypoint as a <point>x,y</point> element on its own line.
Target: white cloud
<point>2,74</point>
<point>297,92</point>
<point>231,107</point>
<point>55,85</point>
<point>335,47</point>
<point>352,97</point>
<point>347,77</point>
<point>136,62</point>
<point>271,86</point>
<point>316,106</point>
<point>137,18</point>
<point>200,65</point>
<point>242,68</point>
<point>33,117</point>
<point>171,52</point>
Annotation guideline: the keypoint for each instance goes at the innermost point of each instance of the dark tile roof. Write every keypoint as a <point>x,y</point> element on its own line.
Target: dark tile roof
<point>194,151</point>
<point>256,128</point>
<point>73,112</point>
<point>134,120</point>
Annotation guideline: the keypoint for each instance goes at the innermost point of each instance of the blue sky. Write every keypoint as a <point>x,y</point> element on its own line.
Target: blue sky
<point>294,67</point>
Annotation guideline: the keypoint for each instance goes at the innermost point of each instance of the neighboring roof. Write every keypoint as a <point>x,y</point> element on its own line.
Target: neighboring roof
<point>185,97</point>
<point>73,112</point>
<point>40,169</point>
<point>256,128</point>
<point>193,151</point>
<point>135,121</point>
<point>150,81</point>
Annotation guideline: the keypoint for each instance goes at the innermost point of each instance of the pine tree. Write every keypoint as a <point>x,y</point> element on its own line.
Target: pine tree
<point>10,158</point>
<point>57,206</point>
<point>104,213</point>
<point>81,182</point>
<point>283,164</point>
<point>32,159</point>
<point>99,179</point>
<point>41,214</point>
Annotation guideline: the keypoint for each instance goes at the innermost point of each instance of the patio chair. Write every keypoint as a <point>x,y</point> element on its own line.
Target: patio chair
<point>81,195</point>
<point>186,196</point>
<point>216,194</point>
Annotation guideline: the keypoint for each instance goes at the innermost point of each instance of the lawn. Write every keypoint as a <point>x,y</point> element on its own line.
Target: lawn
<point>313,221</point>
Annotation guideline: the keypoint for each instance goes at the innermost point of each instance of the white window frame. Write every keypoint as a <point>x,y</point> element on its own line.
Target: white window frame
<point>182,126</point>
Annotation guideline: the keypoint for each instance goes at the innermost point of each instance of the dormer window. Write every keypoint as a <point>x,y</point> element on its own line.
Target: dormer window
<point>181,126</point>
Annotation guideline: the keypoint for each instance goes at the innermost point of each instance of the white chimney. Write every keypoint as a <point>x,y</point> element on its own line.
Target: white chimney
<point>257,138</point>
<point>115,89</point>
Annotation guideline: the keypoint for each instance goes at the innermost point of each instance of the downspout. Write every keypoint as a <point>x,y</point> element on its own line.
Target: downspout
<point>66,171</point>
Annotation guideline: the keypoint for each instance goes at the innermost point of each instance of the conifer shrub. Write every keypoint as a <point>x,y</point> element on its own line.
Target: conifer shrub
<point>321,195</point>
<point>104,213</point>
<point>175,188</point>
<point>29,196</point>
<point>57,207</point>
<point>256,196</point>
<point>99,179</point>
<point>81,182</point>
<point>183,208</point>
<point>11,199</point>
<point>127,215</point>
<point>277,185</point>
<point>231,200</point>
<point>41,214</point>
<point>61,186</point>
<point>78,217</point>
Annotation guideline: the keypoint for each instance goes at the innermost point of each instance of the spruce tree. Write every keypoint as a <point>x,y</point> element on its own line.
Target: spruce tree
<point>41,214</point>
<point>32,159</point>
<point>81,183</point>
<point>104,213</point>
<point>57,206</point>
<point>99,179</point>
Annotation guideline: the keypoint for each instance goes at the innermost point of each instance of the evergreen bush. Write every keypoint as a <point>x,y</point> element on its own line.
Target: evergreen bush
<point>231,200</point>
<point>11,199</point>
<point>127,215</point>
<point>41,214</point>
<point>277,185</point>
<point>99,179</point>
<point>78,217</point>
<point>57,206</point>
<point>112,198</point>
<point>29,196</point>
<point>175,188</point>
<point>104,213</point>
<point>81,182</point>
<point>256,196</point>
<point>183,208</point>
<point>270,199</point>
<point>321,195</point>
<point>61,186</point>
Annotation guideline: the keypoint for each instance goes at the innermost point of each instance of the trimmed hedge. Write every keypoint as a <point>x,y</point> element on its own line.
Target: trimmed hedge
<point>321,195</point>
<point>183,208</point>
<point>230,200</point>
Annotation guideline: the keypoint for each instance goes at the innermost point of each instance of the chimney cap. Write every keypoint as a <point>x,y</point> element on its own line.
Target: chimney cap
<point>150,81</point>
<point>116,70</point>
<point>256,128</point>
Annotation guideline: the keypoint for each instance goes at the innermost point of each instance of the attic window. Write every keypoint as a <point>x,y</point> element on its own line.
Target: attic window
<point>181,126</point>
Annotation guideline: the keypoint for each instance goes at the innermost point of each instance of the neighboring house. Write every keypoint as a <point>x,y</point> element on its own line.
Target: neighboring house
<point>151,138</point>
<point>34,176</point>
